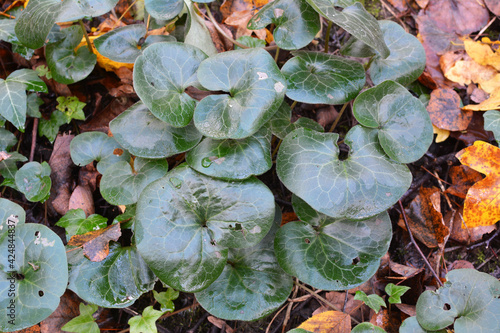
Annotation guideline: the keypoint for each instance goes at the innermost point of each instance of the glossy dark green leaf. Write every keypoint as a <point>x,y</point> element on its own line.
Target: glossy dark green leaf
<point>470,300</point>
<point>162,74</point>
<point>97,146</point>
<point>164,9</point>
<point>121,184</point>
<point>406,61</point>
<point>33,278</point>
<point>317,77</point>
<point>141,133</point>
<point>33,180</point>
<point>10,214</point>
<point>33,106</point>
<point>367,328</point>
<point>411,325</point>
<point>67,65</point>
<point>121,44</point>
<point>492,123</point>
<point>401,121</point>
<point>29,78</point>
<point>252,284</point>
<point>332,254</point>
<point>250,42</point>
<point>233,159</point>
<point>49,128</point>
<point>185,222</point>
<point>281,123</point>
<point>7,139</point>
<point>366,183</point>
<point>355,20</point>
<point>356,48</point>
<point>124,277</point>
<point>255,88</point>
<point>296,23</point>
<point>76,222</point>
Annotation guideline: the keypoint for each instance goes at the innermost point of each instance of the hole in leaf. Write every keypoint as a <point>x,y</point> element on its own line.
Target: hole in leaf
<point>230,226</point>
<point>238,226</point>
<point>18,276</point>
<point>37,233</point>
<point>152,84</point>
<point>344,151</point>
<point>40,293</point>
<point>355,261</point>
<point>213,242</point>
<point>307,240</point>
<point>446,307</point>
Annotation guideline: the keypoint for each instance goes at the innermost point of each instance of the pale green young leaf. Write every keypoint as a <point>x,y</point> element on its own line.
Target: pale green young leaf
<point>84,323</point>
<point>374,301</point>
<point>145,323</point>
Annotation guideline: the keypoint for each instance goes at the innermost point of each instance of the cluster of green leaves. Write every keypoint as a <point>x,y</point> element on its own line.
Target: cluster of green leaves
<point>209,226</point>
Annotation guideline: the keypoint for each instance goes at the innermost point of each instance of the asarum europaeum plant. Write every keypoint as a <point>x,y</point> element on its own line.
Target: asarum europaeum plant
<point>209,225</point>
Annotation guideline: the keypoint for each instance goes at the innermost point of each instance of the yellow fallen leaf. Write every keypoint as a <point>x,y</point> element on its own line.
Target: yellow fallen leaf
<point>442,134</point>
<point>483,54</point>
<point>482,203</point>
<point>491,103</point>
<point>328,322</point>
<point>104,62</point>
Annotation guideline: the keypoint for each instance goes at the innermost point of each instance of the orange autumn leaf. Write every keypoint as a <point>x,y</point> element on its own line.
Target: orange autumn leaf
<point>328,322</point>
<point>482,203</point>
<point>96,243</point>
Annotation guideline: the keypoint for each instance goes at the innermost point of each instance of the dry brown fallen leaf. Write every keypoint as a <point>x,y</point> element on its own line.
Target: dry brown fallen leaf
<point>493,6</point>
<point>462,178</point>
<point>96,243</point>
<point>400,5</point>
<point>467,235</point>
<point>82,198</point>
<point>460,264</point>
<point>425,218</point>
<point>61,164</point>
<point>354,308</point>
<point>444,110</point>
<point>67,310</point>
<point>220,323</point>
<point>328,322</point>
<point>384,320</point>
<point>32,329</point>
<point>240,19</point>
<point>403,270</point>
<point>230,6</point>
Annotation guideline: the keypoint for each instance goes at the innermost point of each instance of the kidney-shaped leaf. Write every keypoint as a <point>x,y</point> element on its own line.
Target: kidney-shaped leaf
<point>120,45</point>
<point>164,9</point>
<point>281,123</point>
<point>296,23</point>
<point>185,222</point>
<point>162,74</point>
<point>122,183</point>
<point>116,282</point>
<point>367,328</point>
<point>233,159</point>
<point>317,77</point>
<point>67,65</point>
<point>33,180</point>
<point>401,120</point>
<point>33,275</point>
<point>97,146</point>
<point>406,61</point>
<point>255,88</point>
<point>141,133</point>
<point>470,300</point>
<point>492,123</point>
<point>11,214</point>
<point>252,284</point>
<point>355,20</point>
<point>332,254</point>
<point>363,185</point>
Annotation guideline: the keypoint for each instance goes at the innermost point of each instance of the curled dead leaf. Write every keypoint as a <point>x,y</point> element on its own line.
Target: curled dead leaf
<point>96,243</point>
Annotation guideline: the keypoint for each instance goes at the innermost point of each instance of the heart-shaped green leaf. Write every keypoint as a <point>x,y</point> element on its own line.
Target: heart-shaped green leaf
<point>316,77</point>
<point>97,146</point>
<point>411,325</point>
<point>67,65</point>
<point>363,185</point>
<point>33,275</point>
<point>121,184</point>
<point>406,61</point>
<point>164,9</point>
<point>355,20</point>
<point>332,254</point>
<point>141,133</point>
<point>470,300</point>
<point>185,222</point>
<point>281,123</point>
<point>492,123</point>
<point>255,88</point>
<point>252,284</point>
<point>76,222</point>
<point>233,159</point>
<point>121,44</point>
<point>296,23</point>
<point>84,322</point>
<point>7,139</point>
<point>10,214</point>
<point>124,277</point>
<point>401,121</point>
<point>33,180</point>
<point>162,74</point>
<point>250,42</point>
<point>367,328</point>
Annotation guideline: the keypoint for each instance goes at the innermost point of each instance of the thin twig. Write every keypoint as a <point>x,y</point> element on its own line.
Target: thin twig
<point>417,247</point>
<point>33,139</point>
<point>222,32</point>
<point>276,56</point>
<point>338,117</point>
<point>124,13</point>
<point>486,242</point>
<point>485,27</point>
<point>4,13</point>
<point>293,105</point>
